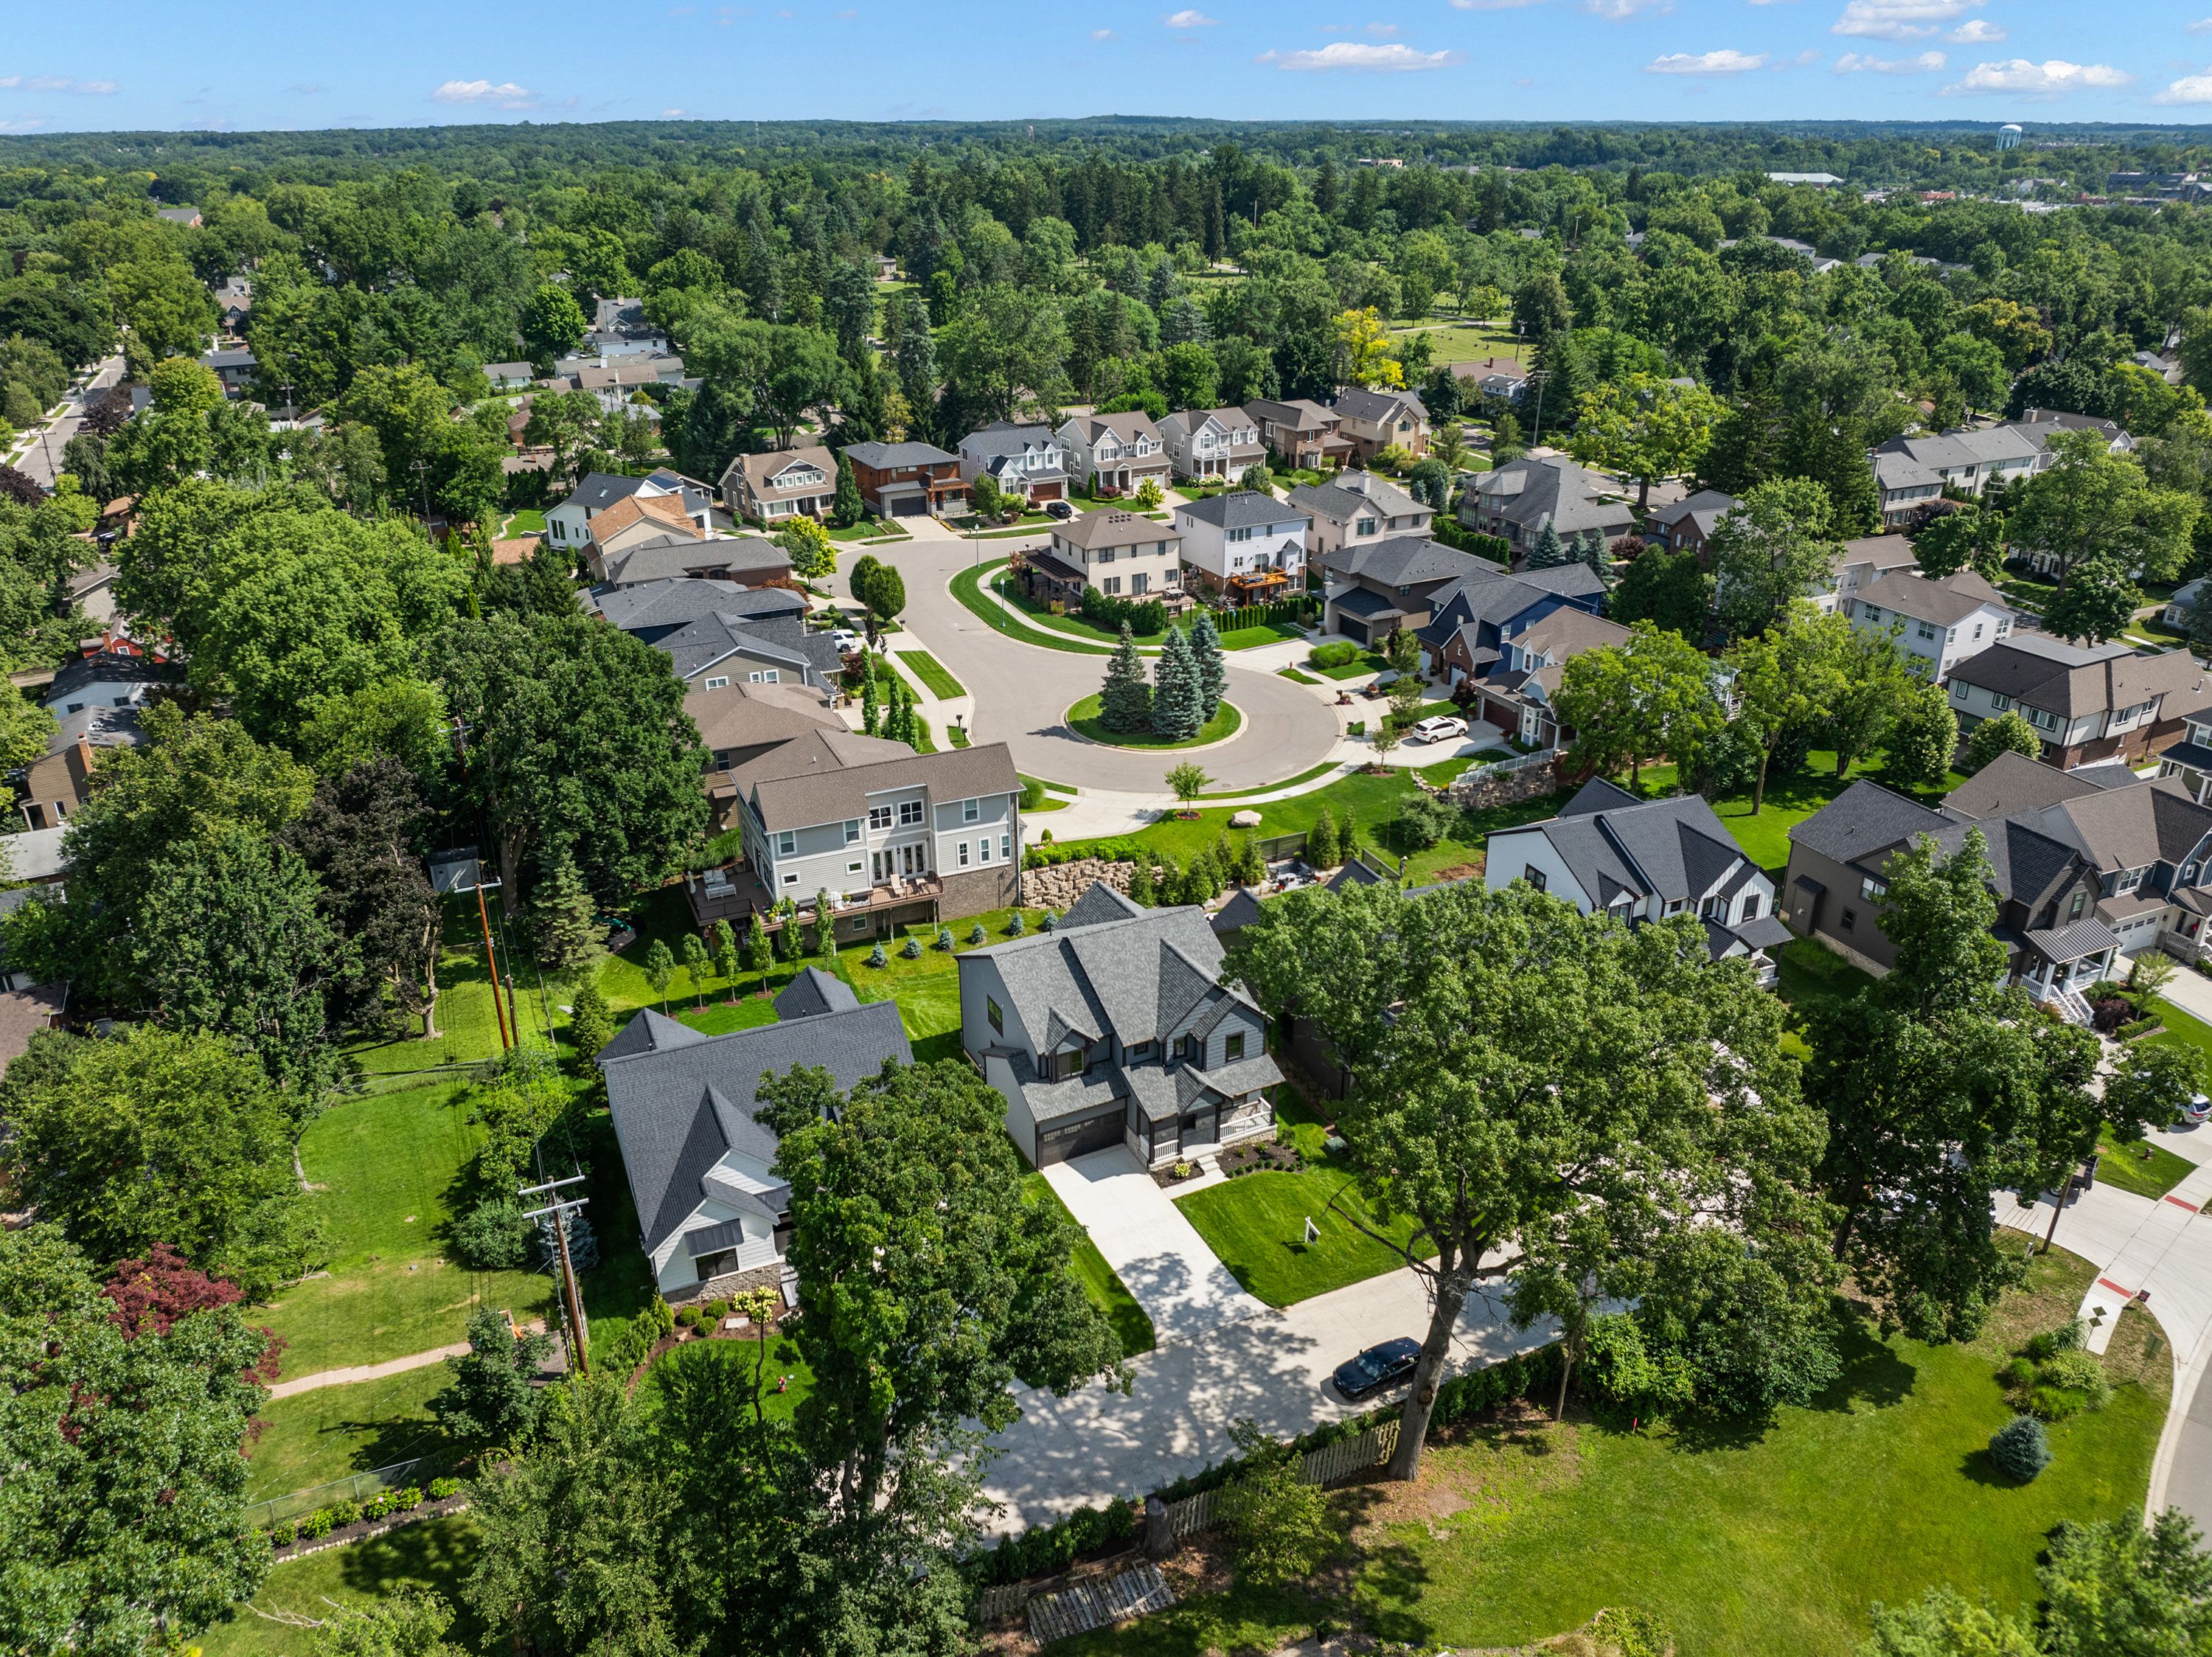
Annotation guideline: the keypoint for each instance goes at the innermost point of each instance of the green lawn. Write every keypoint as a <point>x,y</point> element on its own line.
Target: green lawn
<point>1295,677</point>
<point>387,1169</point>
<point>927,668</point>
<point>1251,638</point>
<point>1305,775</point>
<point>2182,1029</point>
<point>1256,1224</point>
<point>1100,1283</point>
<point>1462,342</point>
<point>1790,801</point>
<point>1747,1542</point>
<point>927,989</point>
<point>530,522</point>
<point>311,1438</point>
<point>437,1554</point>
<point>966,587</point>
<point>1074,625</point>
<point>2147,1170</point>
<point>866,531</point>
<point>1084,719</point>
<point>778,1356</point>
<point>1368,663</point>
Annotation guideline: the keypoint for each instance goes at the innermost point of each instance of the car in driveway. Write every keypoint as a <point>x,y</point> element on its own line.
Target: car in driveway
<point>2196,1110</point>
<point>1441,728</point>
<point>1060,509</point>
<point>1376,1368</point>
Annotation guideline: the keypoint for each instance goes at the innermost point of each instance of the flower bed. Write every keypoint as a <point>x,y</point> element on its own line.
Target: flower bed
<point>349,1521</point>
<point>1175,1173</point>
<point>1253,1158</point>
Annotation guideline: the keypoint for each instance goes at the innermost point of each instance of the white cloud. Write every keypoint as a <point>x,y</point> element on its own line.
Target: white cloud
<point>1977,31</point>
<point>2053,78</point>
<point>1856,63</point>
<point>1898,20</point>
<point>57,83</point>
<point>1620,11</point>
<point>504,94</point>
<point>1188,18</point>
<point>671,114</point>
<point>2202,26</point>
<point>1381,30</point>
<point>1727,61</point>
<point>1103,34</point>
<point>2189,89</point>
<point>1351,56</point>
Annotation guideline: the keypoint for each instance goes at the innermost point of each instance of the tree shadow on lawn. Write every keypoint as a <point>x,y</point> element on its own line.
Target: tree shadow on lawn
<point>1874,1376</point>
<point>386,1442</point>
<point>437,1554</point>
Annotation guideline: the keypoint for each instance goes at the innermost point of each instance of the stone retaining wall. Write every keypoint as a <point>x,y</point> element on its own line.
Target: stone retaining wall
<point>1059,886</point>
<point>1474,791</point>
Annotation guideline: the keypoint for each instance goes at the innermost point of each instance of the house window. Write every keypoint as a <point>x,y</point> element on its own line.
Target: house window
<point>1998,701</point>
<point>1751,906</point>
<point>879,817</point>
<point>1232,1047</point>
<point>1850,918</point>
<point>766,676</point>
<point>787,842</point>
<point>718,683</point>
<point>1926,629</point>
<point>1534,875</point>
<point>983,849</point>
<point>2131,879</point>
<point>1709,908</point>
<point>791,879</point>
<point>1871,888</point>
<point>1674,905</point>
<point>853,867</point>
<point>2074,910</point>
<point>962,850</point>
<point>1006,848</point>
<point>992,1012</point>
<point>909,813</point>
<point>970,810</point>
<point>852,831</point>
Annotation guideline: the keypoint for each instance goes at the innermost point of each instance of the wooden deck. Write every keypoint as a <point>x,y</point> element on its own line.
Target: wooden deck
<point>733,892</point>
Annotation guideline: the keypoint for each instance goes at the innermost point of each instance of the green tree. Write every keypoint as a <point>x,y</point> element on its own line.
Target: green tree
<point>2090,503</point>
<point>1005,345</point>
<point>1125,700</point>
<point>1873,685</point>
<point>412,1623</point>
<point>2006,733</point>
<point>696,964</point>
<point>364,837</point>
<point>846,507</point>
<point>1784,679</point>
<point>1206,660</point>
<point>1549,552</point>
<point>171,440</point>
<point>1670,590</point>
<point>1279,1524</point>
<point>1321,843</point>
<point>1647,428</point>
<point>591,1022</point>
<point>1969,537</point>
<point>490,1399</point>
<point>659,971</point>
<point>1187,782</point>
<point>726,955</point>
<point>552,323</point>
<point>813,554</point>
<point>125,1529</point>
<point>1627,702</point>
<point>2097,602</point>
<point>758,952</point>
<point>1775,546</point>
<point>150,1136</point>
<point>1922,741</point>
<point>564,922</point>
<point>2122,1587</point>
<point>1626,1091</point>
<point>1940,1624</point>
<point>1178,706</point>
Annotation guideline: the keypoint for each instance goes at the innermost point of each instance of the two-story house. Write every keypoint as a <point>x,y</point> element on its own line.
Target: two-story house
<point>1248,546</point>
<point>714,1216</point>
<point>55,785</point>
<point>1906,487</point>
<point>1939,624</point>
<point>1971,461</point>
<point>1515,501</point>
<point>1113,452</point>
<point>2088,703</point>
<point>1374,588</point>
<point>1686,525</point>
<point>1511,639</point>
<point>1359,506</point>
<point>1024,461</point>
<point>1635,860</point>
<point>1123,554</point>
<point>2090,868</point>
<point>1114,1031</point>
<point>746,560</point>
<point>769,489</point>
<point>907,480</point>
<point>715,633</point>
<point>1857,565</point>
<point>1301,432</point>
<point>1375,420</point>
<point>1212,442</point>
<point>567,526</point>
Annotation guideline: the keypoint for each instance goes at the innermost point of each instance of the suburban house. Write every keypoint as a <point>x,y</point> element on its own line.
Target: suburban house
<point>1375,420</point>
<point>1212,442</point>
<point>1123,554</point>
<point>907,480</point>
<point>2088,703</point>
<point>1686,525</point>
<point>2182,606</point>
<point>59,781</point>
<point>1024,461</point>
<point>748,643</point>
<point>631,523</point>
<point>1645,860</point>
<point>1940,623</point>
<point>1248,546</point>
<point>1114,452</point>
<point>1498,378</point>
<point>740,722</point>
<point>1516,500</point>
<point>1302,432</point>
<point>113,671</point>
<point>1114,1029</point>
<point>1375,588</point>
<point>1971,461</point>
<point>568,524</point>
<point>1359,506</point>
<point>1512,640</point>
<point>763,488</point>
<point>619,385</point>
<point>745,560</point>
<point>1906,487</point>
<point>895,838</point>
<point>232,366</point>
<point>2087,869</point>
<point>650,612</point>
<point>712,1216</point>
<point>1859,564</point>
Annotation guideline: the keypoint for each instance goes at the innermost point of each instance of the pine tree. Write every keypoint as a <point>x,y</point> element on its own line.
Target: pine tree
<point>590,1023</point>
<point>1140,881</point>
<point>871,707</point>
<point>1206,657</point>
<point>1124,701</point>
<point>1548,553</point>
<point>1347,838</point>
<point>1176,708</point>
<point>562,916</point>
<point>847,507</point>
<point>1320,842</point>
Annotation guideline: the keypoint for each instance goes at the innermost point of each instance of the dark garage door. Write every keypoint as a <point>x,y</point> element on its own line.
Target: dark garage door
<point>1060,1140</point>
<point>1352,627</point>
<point>910,506</point>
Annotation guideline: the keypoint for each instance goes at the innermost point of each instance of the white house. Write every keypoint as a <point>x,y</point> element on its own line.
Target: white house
<point>1244,542</point>
<point>1023,461</point>
<point>568,525</point>
<point>1212,442</point>
<point>1114,451</point>
<point>1940,623</point>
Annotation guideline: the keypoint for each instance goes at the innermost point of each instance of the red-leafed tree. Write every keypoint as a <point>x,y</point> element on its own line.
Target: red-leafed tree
<point>150,1296</point>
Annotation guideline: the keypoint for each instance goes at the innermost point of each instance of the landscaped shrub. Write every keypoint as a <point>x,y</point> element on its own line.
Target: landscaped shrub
<point>283,1534</point>
<point>2050,1343</point>
<point>442,1487</point>
<point>1631,1632</point>
<point>1017,926</point>
<point>2067,1384</point>
<point>876,958</point>
<point>1043,1551</point>
<point>345,1513</point>
<point>406,1497</point>
<point>1341,653</point>
<point>2107,1015</point>
<point>1049,920</point>
<point>1278,1523</point>
<point>315,1525</point>
<point>376,1507</point>
<point>493,1236</point>
<point>911,950</point>
<point>2019,1449</point>
<point>1108,612</point>
<point>944,938</point>
<point>977,935</point>
<point>1422,820</point>
<point>2135,1027</point>
<point>688,1318</point>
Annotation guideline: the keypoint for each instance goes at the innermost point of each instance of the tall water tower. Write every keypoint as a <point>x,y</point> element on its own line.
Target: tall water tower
<point>2008,135</point>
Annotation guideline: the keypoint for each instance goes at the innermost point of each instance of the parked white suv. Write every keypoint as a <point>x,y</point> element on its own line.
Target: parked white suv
<point>1437,729</point>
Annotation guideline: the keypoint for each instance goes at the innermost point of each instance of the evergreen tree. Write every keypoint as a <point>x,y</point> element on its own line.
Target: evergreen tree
<point>1320,842</point>
<point>1177,710</point>
<point>1347,838</point>
<point>1549,552</point>
<point>847,507</point>
<point>1124,701</point>
<point>1598,557</point>
<point>871,707</point>
<point>1141,880</point>
<point>591,1022</point>
<point>562,920</point>
<point>1205,657</point>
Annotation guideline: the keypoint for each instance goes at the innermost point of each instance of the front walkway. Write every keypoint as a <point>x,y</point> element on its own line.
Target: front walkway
<point>1162,1260</point>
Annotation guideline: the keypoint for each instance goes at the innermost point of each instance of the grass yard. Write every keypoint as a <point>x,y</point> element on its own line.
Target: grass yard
<point>777,1357</point>
<point>966,587</point>
<point>928,988</point>
<point>927,668</point>
<point>1083,718</point>
<point>1256,1223</point>
<point>1747,1542</point>
<point>1100,1283</point>
<point>437,1554</point>
<point>531,522</point>
<point>1371,662</point>
<point>1251,638</point>
<point>1075,626</point>
<point>1305,775</point>
<point>1295,677</point>
<point>1790,801</point>
<point>865,530</point>
<point>387,1169</point>
<point>1462,342</point>
<point>2147,1170</point>
<point>311,1438</point>
<point>1807,973</point>
<point>2183,1029</point>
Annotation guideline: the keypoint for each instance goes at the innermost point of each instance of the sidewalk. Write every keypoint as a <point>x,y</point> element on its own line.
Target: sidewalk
<point>369,1372</point>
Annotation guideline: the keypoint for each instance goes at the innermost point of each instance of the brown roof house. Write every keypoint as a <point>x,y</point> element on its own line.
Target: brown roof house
<point>790,483</point>
<point>59,782</point>
<point>907,480</point>
<point>632,522</point>
<point>1123,554</point>
<point>2088,703</point>
<point>1376,420</point>
<point>1302,432</point>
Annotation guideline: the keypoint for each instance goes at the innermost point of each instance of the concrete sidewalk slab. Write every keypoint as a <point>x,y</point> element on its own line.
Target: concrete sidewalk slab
<point>1184,1288</point>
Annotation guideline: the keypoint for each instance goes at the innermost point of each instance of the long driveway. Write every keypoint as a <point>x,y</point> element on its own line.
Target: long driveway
<point>50,438</point>
<point>1158,1255</point>
<point>1019,691</point>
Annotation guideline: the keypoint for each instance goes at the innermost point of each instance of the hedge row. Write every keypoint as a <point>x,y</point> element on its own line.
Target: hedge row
<point>1048,1550</point>
<point>320,1523</point>
<point>1111,851</point>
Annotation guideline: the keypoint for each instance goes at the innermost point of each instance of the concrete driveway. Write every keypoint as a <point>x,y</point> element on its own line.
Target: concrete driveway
<point>1020,691</point>
<point>1184,1288</point>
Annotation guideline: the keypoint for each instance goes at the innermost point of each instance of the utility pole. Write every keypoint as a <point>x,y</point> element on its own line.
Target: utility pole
<point>421,477</point>
<point>1538,376</point>
<point>483,916</point>
<point>571,1300</point>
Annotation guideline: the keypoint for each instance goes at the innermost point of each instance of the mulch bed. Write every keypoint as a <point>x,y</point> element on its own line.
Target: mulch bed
<point>1167,1177</point>
<point>1246,1158</point>
<point>361,1530</point>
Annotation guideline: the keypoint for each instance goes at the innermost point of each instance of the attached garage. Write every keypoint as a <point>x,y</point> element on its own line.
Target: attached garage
<point>1352,628</point>
<point>910,506</point>
<point>1059,1141</point>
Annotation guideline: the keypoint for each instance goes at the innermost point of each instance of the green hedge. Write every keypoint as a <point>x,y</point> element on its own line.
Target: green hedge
<point>1075,850</point>
<point>1043,1550</point>
<point>1449,530</point>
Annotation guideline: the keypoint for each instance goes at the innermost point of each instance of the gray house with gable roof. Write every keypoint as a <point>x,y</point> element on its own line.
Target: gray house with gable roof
<point>712,1215</point>
<point>1114,1029</point>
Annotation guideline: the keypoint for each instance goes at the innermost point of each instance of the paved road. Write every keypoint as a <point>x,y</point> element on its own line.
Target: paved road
<point>45,454</point>
<point>1185,1291</point>
<point>1017,692</point>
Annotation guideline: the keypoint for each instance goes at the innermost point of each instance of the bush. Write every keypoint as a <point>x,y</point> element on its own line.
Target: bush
<point>345,1513</point>
<point>376,1507</point>
<point>1278,1523</point>
<point>315,1525</point>
<point>1107,612</point>
<point>407,1496</point>
<point>2050,1343</point>
<point>688,1318</point>
<point>911,950</point>
<point>2019,1373</point>
<point>1053,1548</point>
<point>1341,654</point>
<point>1017,926</point>
<point>1422,820</point>
<point>977,935</point>
<point>944,938</point>
<point>493,1236</point>
<point>283,1534</point>
<point>876,958</point>
<point>1631,1633</point>
<point>442,1487</point>
<point>2020,1449</point>
<point>2108,1015</point>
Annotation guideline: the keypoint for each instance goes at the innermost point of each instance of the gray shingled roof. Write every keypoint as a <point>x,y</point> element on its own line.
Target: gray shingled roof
<point>1361,404</point>
<point>1404,560</point>
<point>1866,818</point>
<point>679,600</point>
<point>1673,850</point>
<point>883,455</point>
<point>1244,508</point>
<point>812,993</point>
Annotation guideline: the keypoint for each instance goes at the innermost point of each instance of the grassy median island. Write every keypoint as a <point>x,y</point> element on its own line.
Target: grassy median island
<point>1746,1540</point>
<point>1083,719</point>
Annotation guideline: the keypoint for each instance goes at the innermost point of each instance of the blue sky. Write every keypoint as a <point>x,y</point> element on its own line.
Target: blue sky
<point>103,64</point>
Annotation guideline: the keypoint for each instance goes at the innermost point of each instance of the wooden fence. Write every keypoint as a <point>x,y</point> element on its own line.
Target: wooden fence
<point>1332,1464</point>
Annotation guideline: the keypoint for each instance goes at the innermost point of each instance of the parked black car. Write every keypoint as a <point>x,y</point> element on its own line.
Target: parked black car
<point>1060,509</point>
<point>1378,1367</point>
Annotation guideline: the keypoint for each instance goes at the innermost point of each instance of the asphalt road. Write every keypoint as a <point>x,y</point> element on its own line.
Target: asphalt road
<point>44,456</point>
<point>1021,691</point>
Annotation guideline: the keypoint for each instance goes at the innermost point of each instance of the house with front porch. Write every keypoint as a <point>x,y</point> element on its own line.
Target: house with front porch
<point>2088,703</point>
<point>1024,461</point>
<point>1302,432</point>
<point>1115,1029</point>
<point>1123,554</point>
<point>1375,588</point>
<point>1113,454</point>
<point>773,488</point>
<point>1637,861</point>
<point>1516,501</point>
<point>1212,442</point>
<point>1249,547</point>
<point>1512,649</point>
